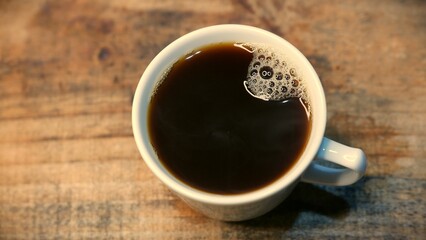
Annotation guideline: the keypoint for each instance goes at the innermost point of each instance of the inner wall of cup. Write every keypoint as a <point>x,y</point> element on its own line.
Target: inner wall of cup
<point>198,39</point>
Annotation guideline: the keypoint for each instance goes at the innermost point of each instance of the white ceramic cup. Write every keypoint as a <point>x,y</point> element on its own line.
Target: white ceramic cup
<point>245,206</point>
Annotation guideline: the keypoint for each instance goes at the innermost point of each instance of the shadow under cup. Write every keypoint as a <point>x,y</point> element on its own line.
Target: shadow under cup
<point>239,206</point>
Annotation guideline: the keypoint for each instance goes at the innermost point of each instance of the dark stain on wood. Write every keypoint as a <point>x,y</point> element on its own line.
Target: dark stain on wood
<point>104,53</point>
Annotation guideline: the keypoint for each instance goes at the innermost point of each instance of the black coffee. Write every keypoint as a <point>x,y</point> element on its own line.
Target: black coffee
<point>212,133</point>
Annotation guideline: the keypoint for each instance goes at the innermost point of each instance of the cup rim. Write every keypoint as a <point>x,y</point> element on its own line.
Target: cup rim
<point>167,57</point>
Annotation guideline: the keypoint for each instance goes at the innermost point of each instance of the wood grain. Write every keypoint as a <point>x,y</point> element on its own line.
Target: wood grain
<point>69,167</point>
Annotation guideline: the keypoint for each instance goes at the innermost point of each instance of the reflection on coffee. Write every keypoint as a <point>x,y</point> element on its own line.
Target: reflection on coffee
<point>226,119</point>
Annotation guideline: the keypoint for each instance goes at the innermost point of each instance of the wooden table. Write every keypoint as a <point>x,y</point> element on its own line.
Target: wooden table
<point>69,166</point>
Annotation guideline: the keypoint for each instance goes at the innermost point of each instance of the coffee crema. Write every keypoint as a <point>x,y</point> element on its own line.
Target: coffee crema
<point>229,118</point>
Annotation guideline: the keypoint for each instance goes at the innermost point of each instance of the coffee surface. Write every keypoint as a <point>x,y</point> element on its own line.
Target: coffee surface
<point>211,134</point>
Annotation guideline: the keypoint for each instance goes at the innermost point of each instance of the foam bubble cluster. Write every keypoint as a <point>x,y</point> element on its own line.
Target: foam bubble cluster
<point>271,77</point>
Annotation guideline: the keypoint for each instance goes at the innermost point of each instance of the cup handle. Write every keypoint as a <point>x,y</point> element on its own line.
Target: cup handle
<point>352,160</point>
